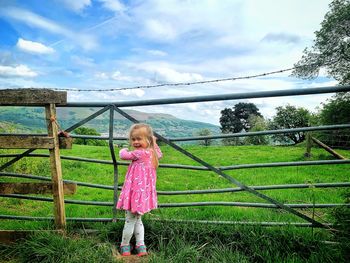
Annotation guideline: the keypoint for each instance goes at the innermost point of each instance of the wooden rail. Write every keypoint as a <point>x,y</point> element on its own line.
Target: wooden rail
<point>35,188</point>
<point>32,97</point>
<point>328,149</point>
<point>26,142</point>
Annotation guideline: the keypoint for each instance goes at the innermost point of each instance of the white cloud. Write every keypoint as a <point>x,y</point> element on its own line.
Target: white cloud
<point>33,19</point>
<point>170,20</point>
<point>171,75</point>
<point>329,83</point>
<point>18,71</point>
<point>101,75</point>
<point>165,72</point>
<point>160,30</point>
<point>84,40</point>
<point>116,76</point>
<point>113,5</point>
<point>76,5</point>
<point>141,52</point>
<point>33,47</point>
<point>133,92</point>
<point>157,53</point>
<point>283,16</point>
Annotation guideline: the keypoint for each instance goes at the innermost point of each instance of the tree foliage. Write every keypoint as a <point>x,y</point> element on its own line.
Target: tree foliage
<point>205,132</point>
<point>290,117</point>
<point>236,119</point>
<point>257,124</point>
<point>336,111</point>
<point>331,48</point>
<point>88,131</point>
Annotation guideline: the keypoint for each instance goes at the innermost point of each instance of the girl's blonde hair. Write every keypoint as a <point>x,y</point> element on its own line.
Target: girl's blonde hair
<point>147,132</point>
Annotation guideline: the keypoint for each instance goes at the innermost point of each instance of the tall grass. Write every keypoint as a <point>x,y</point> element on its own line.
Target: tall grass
<point>47,247</point>
<point>174,243</point>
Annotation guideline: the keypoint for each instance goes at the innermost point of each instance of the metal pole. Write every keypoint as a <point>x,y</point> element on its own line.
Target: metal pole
<point>77,219</point>
<point>20,156</point>
<point>220,136</point>
<point>171,205</point>
<point>185,192</point>
<point>230,96</point>
<point>115,164</point>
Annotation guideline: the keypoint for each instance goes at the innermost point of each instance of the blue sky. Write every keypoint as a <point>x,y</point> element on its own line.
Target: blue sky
<point>100,44</point>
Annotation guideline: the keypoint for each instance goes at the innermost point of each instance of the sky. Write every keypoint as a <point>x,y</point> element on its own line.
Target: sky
<point>103,44</point>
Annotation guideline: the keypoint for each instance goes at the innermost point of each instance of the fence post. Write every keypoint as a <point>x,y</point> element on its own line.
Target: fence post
<point>308,145</point>
<point>56,169</point>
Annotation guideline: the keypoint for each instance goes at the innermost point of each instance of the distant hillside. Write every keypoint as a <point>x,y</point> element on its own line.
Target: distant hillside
<point>31,119</point>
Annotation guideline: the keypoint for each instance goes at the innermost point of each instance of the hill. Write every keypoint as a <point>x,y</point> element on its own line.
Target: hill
<point>31,119</point>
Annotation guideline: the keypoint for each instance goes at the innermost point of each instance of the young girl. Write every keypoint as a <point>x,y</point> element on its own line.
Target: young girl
<point>138,195</point>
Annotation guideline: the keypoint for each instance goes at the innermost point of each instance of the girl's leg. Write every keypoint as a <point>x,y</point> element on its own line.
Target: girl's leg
<point>130,221</point>
<point>139,235</point>
<point>139,231</point>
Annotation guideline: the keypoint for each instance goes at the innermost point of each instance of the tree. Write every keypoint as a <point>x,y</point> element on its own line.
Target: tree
<point>205,132</point>
<point>336,111</point>
<point>331,48</point>
<point>290,117</point>
<point>257,124</point>
<point>88,131</point>
<point>236,120</point>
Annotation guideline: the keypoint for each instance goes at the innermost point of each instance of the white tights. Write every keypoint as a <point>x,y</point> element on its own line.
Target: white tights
<point>133,225</point>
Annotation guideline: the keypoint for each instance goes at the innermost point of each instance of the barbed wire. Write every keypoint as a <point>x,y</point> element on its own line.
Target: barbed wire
<point>182,83</point>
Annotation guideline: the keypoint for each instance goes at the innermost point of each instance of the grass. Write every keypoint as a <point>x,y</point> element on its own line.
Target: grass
<point>180,179</point>
<point>187,242</point>
<point>180,243</point>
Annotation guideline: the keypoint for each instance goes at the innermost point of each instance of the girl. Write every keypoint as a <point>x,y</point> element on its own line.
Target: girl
<point>138,195</point>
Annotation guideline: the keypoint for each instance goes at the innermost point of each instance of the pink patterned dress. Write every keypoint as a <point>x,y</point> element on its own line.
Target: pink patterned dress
<point>139,194</point>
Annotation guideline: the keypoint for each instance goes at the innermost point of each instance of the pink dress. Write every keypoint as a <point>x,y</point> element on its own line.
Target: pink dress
<point>139,194</point>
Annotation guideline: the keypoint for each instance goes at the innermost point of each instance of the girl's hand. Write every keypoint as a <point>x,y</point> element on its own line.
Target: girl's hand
<point>154,139</point>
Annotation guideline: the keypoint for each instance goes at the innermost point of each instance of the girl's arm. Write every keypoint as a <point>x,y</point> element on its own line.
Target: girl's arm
<point>156,147</point>
<point>158,151</point>
<point>126,155</point>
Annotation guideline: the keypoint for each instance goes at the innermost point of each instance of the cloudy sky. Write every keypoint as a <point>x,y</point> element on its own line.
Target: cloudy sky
<point>102,44</point>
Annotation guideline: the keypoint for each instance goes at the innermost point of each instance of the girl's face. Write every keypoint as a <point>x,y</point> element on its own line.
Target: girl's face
<point>138,139</point>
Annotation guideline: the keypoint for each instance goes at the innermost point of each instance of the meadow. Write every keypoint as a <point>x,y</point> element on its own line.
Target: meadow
<point>188,238</point>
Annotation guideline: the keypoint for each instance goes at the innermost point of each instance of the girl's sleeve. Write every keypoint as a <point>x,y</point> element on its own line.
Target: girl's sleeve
<point>159,152</point>
<point>126,155</point>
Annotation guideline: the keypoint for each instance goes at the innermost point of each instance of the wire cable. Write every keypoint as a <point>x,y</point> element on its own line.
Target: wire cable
<point>181,83</point>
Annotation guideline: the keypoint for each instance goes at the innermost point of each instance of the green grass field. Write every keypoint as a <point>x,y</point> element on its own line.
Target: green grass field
<point>181,179</point>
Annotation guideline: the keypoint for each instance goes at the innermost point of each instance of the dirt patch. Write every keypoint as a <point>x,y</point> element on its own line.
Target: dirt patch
<point>128,259</point>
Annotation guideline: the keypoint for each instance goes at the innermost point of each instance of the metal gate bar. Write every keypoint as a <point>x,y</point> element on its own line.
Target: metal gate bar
<point>229,178</point>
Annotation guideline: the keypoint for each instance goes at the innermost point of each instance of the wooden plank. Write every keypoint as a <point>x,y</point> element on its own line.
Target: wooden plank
<point>35,188</point>
<point>328,149</point>
<point>26,142</point>
<point>32,97</point>
<point>56,169</point>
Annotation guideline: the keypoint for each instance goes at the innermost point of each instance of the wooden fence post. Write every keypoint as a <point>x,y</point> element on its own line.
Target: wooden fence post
<point>308,145</point>
<point>56,170</point>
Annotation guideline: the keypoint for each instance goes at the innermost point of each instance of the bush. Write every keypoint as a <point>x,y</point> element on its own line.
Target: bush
<point>88,131</point>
